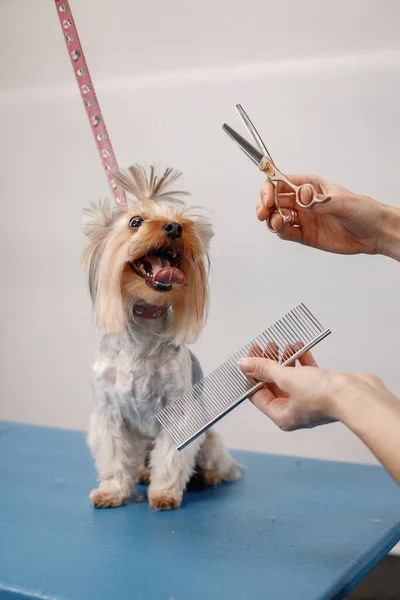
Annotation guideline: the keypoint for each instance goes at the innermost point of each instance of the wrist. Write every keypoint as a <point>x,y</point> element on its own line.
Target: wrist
<point>340,396</point>
<point>362,401</point>
<point>389,232</point>
<point>351,397</point>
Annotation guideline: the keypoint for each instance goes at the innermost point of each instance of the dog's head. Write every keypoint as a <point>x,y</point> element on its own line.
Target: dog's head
<point>154,253</point>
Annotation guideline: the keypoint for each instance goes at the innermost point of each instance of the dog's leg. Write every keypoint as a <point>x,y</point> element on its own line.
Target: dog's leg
<point>214,462</point>
<point>143,474</point>
<point>170,472</point>
<point>113,448</point>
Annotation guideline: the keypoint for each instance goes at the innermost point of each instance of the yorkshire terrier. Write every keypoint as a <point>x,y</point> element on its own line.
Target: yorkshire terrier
<point>148,282</point>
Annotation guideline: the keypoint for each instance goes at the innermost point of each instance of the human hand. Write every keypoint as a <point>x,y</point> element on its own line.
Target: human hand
<point>295,398</point>
<point>310,396</point>
<point>347,224</point>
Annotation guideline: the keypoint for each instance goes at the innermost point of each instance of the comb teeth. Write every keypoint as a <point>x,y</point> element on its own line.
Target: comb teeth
<point>214,396</point>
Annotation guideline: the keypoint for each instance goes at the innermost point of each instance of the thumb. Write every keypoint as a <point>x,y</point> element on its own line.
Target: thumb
<point>264,369</point>
<point>333,205</point>
<point>306,195</point>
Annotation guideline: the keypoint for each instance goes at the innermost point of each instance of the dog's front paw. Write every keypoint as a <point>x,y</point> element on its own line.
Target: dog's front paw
<point>211,477</point>
<point>106,498</point>
<point>143,477</point>
<point>234,473</point>
<point>164,499</point>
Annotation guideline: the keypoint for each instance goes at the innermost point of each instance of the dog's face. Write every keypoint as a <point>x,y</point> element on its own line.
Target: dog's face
<point>153,253</point>
<point>163,247</point>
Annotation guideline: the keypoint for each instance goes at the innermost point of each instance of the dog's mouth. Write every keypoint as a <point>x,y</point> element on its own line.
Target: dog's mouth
<point>160,269</point>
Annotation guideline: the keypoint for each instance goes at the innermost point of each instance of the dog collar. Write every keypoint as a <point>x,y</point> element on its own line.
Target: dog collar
<point>148,311</point>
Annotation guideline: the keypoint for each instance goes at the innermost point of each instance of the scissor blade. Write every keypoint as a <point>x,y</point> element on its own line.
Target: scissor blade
<point>254,154</point>
<point>252,130</point>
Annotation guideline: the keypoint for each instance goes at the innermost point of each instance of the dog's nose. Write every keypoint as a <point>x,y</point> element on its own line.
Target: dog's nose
<point>173,230</point>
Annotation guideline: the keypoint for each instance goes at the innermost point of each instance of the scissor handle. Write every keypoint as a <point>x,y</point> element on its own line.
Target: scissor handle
<point>315,199</point>
<point>285,220</point>
<point>288,215</point>
<point>285,214</point>
<point>275,176</point>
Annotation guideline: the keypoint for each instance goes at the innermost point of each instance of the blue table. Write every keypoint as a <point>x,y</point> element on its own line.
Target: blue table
<point>292,529</point>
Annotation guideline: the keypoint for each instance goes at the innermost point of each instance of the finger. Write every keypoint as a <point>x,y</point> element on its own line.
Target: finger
<point>286,203</point>
<point>306,196</point>
<point>262,398</point>
<point>289,233</point>
<point>268,196</point>
<point>285,188</point>
<point>302,217</point>
<point>307,360</point>
<point>314,180</point>
<point>274,407</point>
<point>267,203</point>
<point>323,189</point>
<point>271,351</point>
<point>267,192</point>
<point>340,203</point>
<point>276,390</point>
<point>289,351</point>
<point>263,369</point>
<point>338,206</point>
<point>255,351</point>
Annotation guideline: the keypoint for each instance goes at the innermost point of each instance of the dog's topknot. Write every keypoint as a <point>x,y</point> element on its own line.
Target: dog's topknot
<point>149,186</point>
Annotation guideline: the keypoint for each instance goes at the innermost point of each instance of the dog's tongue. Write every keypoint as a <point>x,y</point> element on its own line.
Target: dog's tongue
<point>169,275</point>
<point>163,272</point>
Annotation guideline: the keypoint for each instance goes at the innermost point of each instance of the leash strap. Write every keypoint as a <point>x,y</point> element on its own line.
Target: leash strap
<point>90,101</point>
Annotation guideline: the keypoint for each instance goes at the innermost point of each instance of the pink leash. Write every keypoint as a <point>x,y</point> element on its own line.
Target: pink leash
<point>90,101</point>
<point>97,124</point>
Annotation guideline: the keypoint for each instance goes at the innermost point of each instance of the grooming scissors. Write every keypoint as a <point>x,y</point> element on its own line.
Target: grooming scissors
<point>263,159</point>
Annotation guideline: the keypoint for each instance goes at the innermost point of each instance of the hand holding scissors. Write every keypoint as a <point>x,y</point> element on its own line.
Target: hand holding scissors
<point>262,158</point>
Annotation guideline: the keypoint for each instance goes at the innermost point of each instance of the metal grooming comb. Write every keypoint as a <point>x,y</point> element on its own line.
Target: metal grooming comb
<point>214,396</point>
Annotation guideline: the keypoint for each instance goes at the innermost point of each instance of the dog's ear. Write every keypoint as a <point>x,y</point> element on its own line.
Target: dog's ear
<point>191,308</point>
<point>190,311</point>
<point>107,294</point>
<point>97,222</point>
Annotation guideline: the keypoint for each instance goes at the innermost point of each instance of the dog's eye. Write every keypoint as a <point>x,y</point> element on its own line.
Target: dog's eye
<point>135,222</point>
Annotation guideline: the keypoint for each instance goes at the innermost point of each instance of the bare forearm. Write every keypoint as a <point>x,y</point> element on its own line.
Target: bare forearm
<point>375,419</point>
<point>389,239</point>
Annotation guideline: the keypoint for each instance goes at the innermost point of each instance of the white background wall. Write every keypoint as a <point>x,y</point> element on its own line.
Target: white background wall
<point>321,80</point>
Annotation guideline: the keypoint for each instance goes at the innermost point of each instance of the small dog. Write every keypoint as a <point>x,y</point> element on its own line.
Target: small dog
<point>148,282</point>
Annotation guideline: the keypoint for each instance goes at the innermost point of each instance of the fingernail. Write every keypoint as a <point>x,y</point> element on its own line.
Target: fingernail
<point>246,364</point>
<point>306,195</point>
<point>276,221</point>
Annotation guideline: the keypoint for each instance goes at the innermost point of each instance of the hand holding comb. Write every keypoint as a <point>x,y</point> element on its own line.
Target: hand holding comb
<point>226,387</point>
